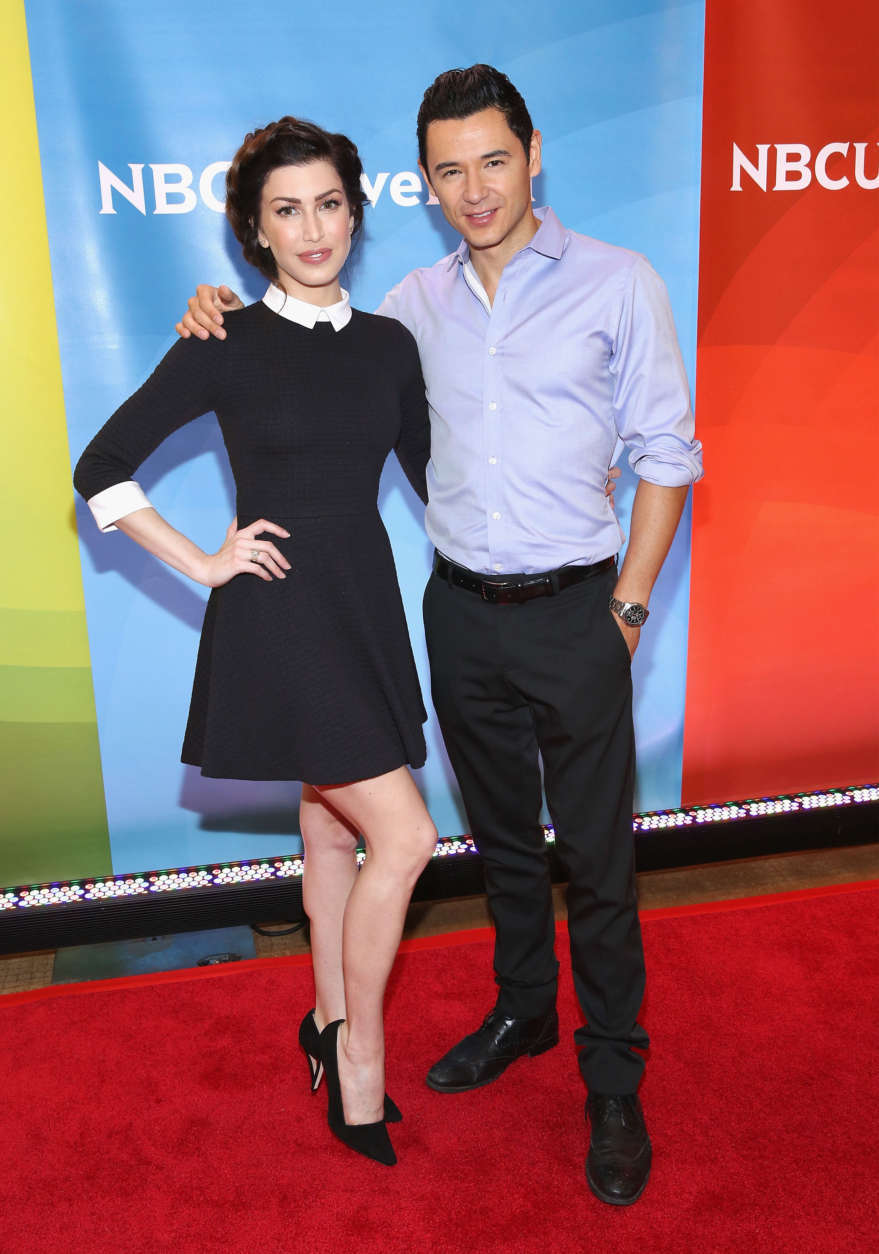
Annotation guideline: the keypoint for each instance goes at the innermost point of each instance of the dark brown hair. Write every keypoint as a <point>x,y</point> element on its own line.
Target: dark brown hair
<point>460,93</point>
<point>289,141</point>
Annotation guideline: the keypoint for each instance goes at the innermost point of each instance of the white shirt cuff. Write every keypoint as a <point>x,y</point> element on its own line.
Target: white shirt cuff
<point>114,503</point>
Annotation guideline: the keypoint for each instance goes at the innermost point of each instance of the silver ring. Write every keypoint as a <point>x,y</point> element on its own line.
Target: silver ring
<point>254,555</point>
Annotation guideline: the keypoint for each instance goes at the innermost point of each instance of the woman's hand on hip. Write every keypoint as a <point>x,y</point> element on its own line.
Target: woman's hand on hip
<point>243,554</point>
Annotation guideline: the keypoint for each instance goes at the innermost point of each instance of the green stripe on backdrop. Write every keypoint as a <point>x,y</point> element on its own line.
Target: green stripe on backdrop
<point>53,822</point>
<point>46,694</point>
<point>53,809</point>
<point>42,637</point>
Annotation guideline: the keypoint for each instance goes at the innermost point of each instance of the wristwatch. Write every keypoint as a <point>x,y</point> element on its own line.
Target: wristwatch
<point>631,612</point>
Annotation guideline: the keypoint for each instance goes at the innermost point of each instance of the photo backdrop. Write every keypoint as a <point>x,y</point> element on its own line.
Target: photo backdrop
<point>138,109</point>
<point>784,649</point>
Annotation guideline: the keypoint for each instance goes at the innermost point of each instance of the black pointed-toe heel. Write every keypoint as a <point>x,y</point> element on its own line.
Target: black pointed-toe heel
<point>369,1139</point>
<point>309,1039</point>
<point>393,1114</point>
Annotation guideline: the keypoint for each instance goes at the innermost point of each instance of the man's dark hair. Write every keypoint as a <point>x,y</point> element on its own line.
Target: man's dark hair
<point>289,141</point>
<point>460,93</point>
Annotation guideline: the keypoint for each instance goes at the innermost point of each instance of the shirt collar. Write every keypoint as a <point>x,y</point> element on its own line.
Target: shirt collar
<point>295,310</point>
<point>548,239</point>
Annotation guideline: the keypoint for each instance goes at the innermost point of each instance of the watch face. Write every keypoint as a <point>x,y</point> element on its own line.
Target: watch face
<point>634,615</point>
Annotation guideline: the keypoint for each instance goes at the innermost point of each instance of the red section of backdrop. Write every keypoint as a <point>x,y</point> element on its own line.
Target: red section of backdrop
<point>784,644</point>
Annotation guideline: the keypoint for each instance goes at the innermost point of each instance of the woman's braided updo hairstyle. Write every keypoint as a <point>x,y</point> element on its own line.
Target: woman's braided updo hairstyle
<point>289,141</point>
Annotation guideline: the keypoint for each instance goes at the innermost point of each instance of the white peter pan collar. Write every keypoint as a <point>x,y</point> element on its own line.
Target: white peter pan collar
<point>339,315</point>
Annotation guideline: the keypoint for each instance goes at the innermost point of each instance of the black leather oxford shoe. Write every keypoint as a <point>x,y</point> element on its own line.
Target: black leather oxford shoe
<point>618,1162</point>
<point>481,1057</point>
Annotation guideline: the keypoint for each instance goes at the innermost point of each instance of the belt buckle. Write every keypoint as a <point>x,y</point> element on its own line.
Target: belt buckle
<point>488,592</point>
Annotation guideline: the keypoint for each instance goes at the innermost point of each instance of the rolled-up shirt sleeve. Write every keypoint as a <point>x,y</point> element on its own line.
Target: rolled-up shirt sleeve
<point>651,396</point>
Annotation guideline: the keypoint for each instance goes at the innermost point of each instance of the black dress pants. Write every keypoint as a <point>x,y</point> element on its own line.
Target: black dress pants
<point>549,678</point>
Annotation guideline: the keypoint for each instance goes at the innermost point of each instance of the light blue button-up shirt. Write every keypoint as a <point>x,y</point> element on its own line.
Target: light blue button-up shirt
<point>529,395</point>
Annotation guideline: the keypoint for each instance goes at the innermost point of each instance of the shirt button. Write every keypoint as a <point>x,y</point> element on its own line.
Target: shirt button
<point>492,404</point>
<point>492,461</point>
<point>497,566</point>
<point>492,351</point>
<point>495,515</point>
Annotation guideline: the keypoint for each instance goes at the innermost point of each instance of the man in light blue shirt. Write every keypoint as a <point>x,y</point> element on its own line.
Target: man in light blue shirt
<point>540,349</point>
<point>519,454</point>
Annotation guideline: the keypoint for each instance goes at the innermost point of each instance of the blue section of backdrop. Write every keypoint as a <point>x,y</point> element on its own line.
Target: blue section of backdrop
<point>157,95</point>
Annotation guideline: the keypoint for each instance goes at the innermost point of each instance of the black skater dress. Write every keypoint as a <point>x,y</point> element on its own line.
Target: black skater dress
<point>310,677</point>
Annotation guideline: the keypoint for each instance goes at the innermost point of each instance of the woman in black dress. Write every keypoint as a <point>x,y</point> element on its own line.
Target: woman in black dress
<point>304,670</point>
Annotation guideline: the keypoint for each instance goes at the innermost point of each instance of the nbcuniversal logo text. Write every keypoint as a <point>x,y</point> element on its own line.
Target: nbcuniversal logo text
<point>174,188</point>
<point>792,166</point>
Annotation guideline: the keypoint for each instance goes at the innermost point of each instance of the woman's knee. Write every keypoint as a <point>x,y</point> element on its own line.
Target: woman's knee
<point>397,828</point>
<point>324,831</point>
<point>427,842</point>
<point>416,849</point>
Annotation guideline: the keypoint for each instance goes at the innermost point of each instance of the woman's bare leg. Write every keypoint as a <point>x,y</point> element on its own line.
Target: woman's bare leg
<point>330,873</point>
<point>400,839</point>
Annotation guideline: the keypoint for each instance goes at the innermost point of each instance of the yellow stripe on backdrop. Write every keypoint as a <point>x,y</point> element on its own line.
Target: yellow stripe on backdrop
<point>52,813</point>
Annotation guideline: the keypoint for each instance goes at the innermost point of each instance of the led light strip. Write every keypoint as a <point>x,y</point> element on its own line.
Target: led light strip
<point>755,808</point>
<point>221,875</point>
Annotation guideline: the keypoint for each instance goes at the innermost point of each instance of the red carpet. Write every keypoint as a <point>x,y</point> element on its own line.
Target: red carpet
<point>173,1115</point>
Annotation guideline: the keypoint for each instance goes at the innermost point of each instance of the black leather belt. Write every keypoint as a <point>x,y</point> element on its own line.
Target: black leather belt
<point>511,589</point>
